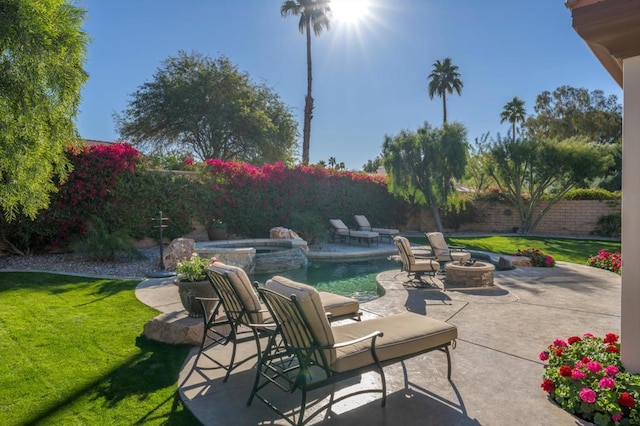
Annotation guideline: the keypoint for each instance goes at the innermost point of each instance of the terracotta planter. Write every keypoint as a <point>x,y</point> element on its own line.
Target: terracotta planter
<point>189,290</point>
<point>217,234</point>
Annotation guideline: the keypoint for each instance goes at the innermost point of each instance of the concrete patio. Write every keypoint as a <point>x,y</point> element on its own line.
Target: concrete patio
<point>496,371</point>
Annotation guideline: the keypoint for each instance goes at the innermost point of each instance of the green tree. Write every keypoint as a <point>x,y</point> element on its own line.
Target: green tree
<point>314,14</point>
<point>422,166</point>
<point>42,49</point>
<point>444,79</point>
<point>526,170</point>
<point>569,112</point>
<point>372,165</point>
<point>514,113</point>
<point>205,106</point>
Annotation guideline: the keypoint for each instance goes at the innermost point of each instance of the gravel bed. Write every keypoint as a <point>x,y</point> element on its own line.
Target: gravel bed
<point>77,264</point>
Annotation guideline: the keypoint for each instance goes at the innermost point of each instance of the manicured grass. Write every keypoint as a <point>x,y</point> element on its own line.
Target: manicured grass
<point>562,249</point>
<point>72,353</point>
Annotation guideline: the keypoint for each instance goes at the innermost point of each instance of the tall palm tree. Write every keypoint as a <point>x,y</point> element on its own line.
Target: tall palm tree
<point>444,78</point>
<point>513,112</point>
<point>314,14</point>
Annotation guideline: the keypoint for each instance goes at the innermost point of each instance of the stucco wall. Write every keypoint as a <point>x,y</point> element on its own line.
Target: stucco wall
<point>564,218</point>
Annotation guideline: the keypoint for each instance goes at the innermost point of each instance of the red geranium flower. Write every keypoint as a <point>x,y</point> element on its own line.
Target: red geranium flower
<point>565,371</point>
<point>610,338</point>
<point>559,352</point>
<point>548,385</point>
<point>574,339</point>
<point>626,400</point>
<point>611,348</point>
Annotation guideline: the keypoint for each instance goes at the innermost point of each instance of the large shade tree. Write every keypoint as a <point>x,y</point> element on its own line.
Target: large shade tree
<point>575,112</point>
<point>528,171</point>
<point>207,107</point>
<point>42,50</point>
<point>423,166</point>
<point>513,112</point>
<point>314,15</point>
<point>443,79</point>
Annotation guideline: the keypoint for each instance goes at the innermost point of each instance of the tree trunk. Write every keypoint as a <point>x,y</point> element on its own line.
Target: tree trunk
<point>436,218</point>
<point>444,108</point>
<point>308,103</point>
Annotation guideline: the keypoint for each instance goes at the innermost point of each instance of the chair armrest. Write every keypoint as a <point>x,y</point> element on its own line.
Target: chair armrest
<point>372,336</point>
<point>424,256</point>
<point>456,247</point>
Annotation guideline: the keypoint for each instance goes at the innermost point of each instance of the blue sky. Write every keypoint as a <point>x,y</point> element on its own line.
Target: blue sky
<point>369,77</point>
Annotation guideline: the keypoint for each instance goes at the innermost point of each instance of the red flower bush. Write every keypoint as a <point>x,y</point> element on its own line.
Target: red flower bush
<point>606,260</point>
<point>537,257</point>
<point>587,379</point>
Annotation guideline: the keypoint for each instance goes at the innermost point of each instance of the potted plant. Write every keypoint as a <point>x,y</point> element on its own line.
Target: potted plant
<point>192,282</point>
<point>216,230</point>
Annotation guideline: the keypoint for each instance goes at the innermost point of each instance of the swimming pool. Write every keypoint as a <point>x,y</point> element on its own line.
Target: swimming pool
<point>353,279</point>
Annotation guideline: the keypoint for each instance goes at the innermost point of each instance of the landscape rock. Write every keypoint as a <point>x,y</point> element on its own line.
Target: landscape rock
<point>175,328</point>
<point>180,249</point>
<point>282,233</point>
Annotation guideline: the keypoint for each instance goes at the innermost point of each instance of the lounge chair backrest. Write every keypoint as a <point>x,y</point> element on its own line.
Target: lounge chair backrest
<point>234,288</point>
<point>438,245</point>
<point>304,327</point>
<point>338,224</point>
<point>404,249</point>
<point>362,222</point>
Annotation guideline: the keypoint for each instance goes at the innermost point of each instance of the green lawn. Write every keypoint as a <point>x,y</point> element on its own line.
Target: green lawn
<point>72,353</point>
<point>562,249</point>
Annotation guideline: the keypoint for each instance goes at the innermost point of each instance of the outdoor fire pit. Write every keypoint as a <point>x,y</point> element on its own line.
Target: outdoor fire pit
<point>467,274</point>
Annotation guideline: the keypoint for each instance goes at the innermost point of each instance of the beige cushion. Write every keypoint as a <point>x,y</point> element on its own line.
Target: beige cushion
<point>460,255</point>
<point>338,224</point>
<point>337,305</point>
<point>309,300</point>
<point>425,265</point>
<point>404,334</point>
<point>362,222</point>
<point>240,281</point>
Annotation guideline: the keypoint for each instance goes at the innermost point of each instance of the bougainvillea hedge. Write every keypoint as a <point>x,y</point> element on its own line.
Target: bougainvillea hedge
<point>107,183</point>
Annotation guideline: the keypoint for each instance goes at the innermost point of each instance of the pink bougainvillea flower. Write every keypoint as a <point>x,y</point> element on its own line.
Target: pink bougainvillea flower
<point>565,371</point>
<point>544,355</point>
<point>574,339</point>
<point>594,366</point>
<point>607,383</point>
<point>610,338</point>
<point>578,375</point>
<point>548,385</point>
<point>626,400</point>
<point>560,343</point>
<point>617,417</point>
<point>588,395</point>
<point>611,370</point>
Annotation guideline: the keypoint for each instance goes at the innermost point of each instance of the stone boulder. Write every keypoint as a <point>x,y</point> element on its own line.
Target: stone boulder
<point>180,249</point>
<point>281,233</point>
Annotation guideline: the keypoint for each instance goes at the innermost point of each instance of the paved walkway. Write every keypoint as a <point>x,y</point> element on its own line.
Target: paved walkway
<point>496,372</point>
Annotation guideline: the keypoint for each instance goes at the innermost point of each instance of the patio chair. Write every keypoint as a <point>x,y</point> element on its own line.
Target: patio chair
<point>364,225</point>
<point>412,263</point>
<point>319,355</point>
<point>342,231</point>
<point>246,316</point>
<point>445,253</point>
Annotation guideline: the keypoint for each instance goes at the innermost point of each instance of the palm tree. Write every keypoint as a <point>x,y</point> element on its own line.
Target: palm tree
<point>313,14</point>
<point>513,112</point>
<point>444,78</point>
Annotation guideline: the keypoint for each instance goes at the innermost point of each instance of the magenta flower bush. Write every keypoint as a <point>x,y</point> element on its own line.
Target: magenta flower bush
<point>585,377</point>
<point>537,257</point>
<point>607,260</point>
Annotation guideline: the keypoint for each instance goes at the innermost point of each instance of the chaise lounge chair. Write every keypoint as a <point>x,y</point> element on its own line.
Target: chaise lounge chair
<point>317,355</point>
<point>245,314</point>
<point>443,252</point>
<point>412,263</point>
<point>364,225</point>
<point>344,233</point>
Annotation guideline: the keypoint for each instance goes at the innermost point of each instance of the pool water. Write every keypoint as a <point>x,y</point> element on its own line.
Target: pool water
<point>353,279</point>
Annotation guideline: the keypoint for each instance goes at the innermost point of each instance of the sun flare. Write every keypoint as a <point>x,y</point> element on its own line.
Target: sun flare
<point>350,11</point>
